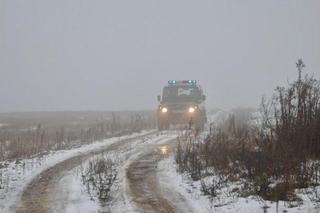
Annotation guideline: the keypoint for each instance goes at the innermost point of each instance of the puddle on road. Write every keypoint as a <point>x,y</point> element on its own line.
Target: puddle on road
<point>164,150</point>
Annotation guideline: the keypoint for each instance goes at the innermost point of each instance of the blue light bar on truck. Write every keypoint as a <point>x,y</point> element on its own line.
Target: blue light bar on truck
<point>172,82</point>
<point>190,82</point>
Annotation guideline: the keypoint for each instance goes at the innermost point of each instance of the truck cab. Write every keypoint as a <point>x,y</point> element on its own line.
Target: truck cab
<point>182,102</point>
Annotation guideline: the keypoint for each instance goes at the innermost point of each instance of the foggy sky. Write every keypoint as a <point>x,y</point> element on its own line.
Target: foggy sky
<point>117,55</point>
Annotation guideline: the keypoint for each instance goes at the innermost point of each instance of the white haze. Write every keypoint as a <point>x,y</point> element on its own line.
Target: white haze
<point>117,55</point>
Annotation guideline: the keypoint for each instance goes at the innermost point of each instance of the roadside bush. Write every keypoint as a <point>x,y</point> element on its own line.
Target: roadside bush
<point>280,154</point>
<point>291,129</point>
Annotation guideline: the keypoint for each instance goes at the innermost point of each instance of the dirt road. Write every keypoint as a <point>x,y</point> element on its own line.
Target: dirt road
<point>142,180</point>
<point>41,195</point>
<point>36,196</point>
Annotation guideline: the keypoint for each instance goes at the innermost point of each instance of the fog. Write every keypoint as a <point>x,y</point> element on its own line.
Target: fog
<point>117,55</point>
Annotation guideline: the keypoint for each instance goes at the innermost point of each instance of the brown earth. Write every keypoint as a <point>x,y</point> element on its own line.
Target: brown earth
<point>143,184</point>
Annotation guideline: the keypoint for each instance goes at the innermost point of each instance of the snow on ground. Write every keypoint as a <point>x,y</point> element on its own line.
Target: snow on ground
<point>75,196</point>
<point>190,190</point>
<point>218,116</point>
<point>2,124</point>
<point>72,193</point>
<point>15,176</point>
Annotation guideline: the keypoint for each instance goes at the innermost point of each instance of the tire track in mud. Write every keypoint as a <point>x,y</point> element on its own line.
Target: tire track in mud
<point>35,197</point>
<point>143,184</point>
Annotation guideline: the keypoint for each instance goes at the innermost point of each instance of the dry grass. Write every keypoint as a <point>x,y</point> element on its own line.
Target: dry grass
<point>284,150</point>
<point>23,139</point>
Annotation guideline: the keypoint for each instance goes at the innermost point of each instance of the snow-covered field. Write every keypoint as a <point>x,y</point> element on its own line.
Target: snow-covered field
<point>71,195</point>
<point>2,124</point>
<point>15,176</point>
<point>174,184</point>
<point>226,202</point>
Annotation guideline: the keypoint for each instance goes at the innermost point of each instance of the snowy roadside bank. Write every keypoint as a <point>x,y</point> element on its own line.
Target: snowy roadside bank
<point>16,175</point>
<point>182,185</point>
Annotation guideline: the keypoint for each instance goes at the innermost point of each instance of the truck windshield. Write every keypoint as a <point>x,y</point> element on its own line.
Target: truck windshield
<point>181,93</point>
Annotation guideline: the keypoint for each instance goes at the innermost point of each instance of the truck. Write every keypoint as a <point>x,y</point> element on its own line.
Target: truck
<point>182,102</point>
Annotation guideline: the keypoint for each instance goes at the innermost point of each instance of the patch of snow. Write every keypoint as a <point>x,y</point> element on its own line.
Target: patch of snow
<point>71,192</point>
<point>2,125</point>
<point>190,190</point>
<point>218,116</point>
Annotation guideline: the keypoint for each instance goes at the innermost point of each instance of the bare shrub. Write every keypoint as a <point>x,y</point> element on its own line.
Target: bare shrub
<point>293,123</point>
<point>284,150</point>
<point>99,177</point>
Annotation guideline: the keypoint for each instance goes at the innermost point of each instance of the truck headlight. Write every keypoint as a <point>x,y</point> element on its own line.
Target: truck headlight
<point>191,109</point>
<point>164,110</point>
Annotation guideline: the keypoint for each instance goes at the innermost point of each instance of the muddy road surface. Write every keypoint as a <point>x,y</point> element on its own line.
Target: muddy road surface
<point>143,183</point>
<point>140,173</point>
<point>37,195</point>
